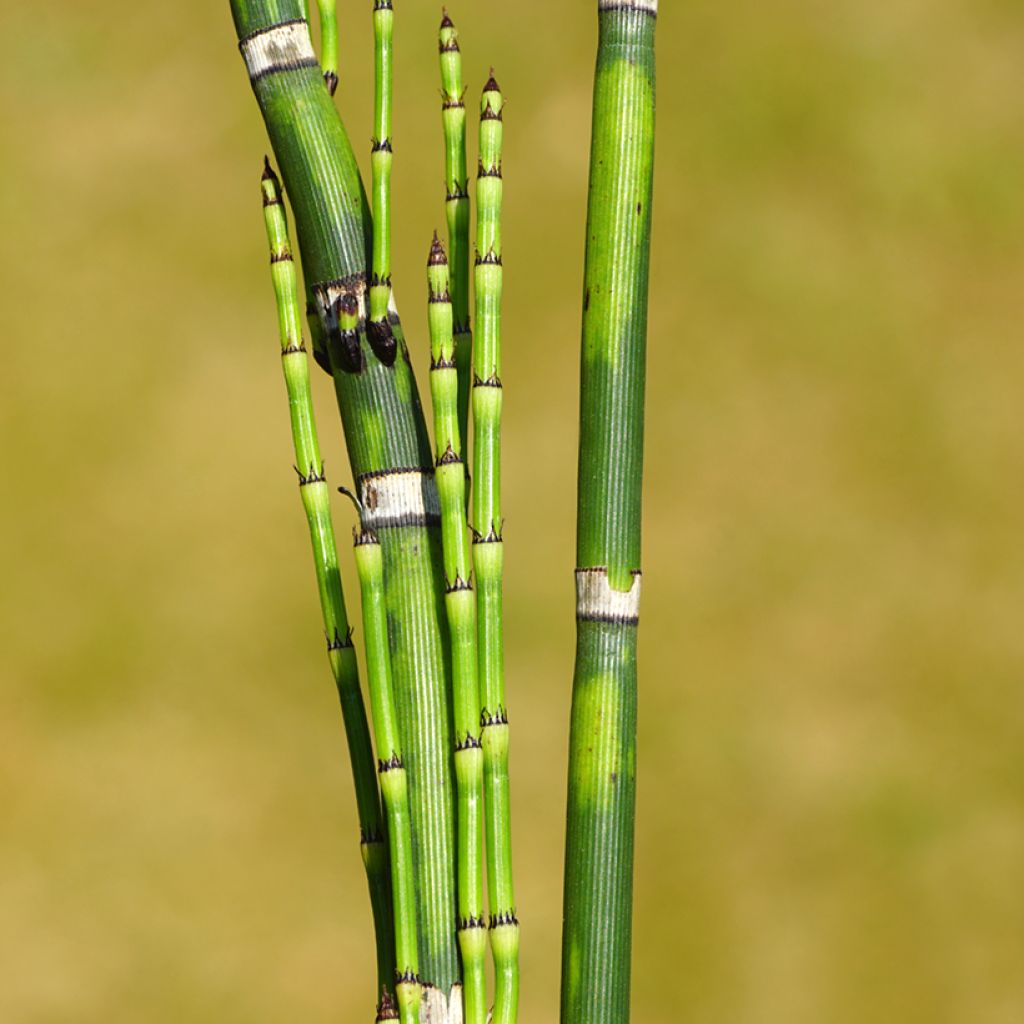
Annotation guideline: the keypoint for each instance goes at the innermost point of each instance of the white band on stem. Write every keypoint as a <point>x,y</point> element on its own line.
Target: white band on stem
<point>596,601</point>
<point>403,497</point>
<point>647,6</point>
<point>279,48</point>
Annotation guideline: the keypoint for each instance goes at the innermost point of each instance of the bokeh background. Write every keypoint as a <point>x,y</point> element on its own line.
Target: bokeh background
<point>831,794</point>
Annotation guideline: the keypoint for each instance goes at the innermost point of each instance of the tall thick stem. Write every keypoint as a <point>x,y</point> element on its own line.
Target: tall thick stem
<point>602,757</point>
<point>384,431</point>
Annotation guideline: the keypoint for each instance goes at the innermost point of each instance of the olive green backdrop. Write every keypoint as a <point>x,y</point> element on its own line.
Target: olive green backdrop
<point>831,788</point>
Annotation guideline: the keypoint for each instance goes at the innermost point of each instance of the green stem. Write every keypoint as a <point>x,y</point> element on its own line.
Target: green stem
<point>453,120</point>
<point>385,434</point>
<point>393,782</point>
<point>461,605</point>
<point>488,557</point>
<point>328,42</point>
<point>315,501</point>
<point>380,164</point>
<point>602,746</point>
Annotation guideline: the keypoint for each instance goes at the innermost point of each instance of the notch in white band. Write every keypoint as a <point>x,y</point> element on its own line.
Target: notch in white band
<point>596,601</point>
<point>401,497</point>
<point>279,48</point>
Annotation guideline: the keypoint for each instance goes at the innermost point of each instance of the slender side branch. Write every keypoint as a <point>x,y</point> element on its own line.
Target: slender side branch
<point>456,177</point>
<point>488,557</point>
<point>379,328</point>
<point>602,745</point>
<point>393,783</point>
<point>460,602</point>
<point>315,500</point>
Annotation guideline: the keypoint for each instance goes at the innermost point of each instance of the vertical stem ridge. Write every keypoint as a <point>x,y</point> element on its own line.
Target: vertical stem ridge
<point>597,934</point>
<point>315,501</point>
<point>391,768</point>
<point>456,177</point>
<point>460,602</point>
<point>488,557</point>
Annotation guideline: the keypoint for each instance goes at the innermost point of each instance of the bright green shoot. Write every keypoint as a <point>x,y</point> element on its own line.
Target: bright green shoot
<point>460,603</point>
<point>488,556</point>
<point>315,501</point>
<point>394,784</point>
<point>453,120</point>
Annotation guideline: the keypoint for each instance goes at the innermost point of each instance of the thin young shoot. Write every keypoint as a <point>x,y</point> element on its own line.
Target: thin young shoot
<point>488,556</point>
<point>460,602</point>
<point>379,329</point>
<point>456,177</point>
<point>315,501</point>
<point>394,783</point>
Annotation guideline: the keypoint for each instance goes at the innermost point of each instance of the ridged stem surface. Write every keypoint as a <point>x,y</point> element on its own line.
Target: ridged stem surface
<point>602,757</point>
<point>384,432</point>
<point>488,558</point>
<point>394,785</point>
<point>380,160</point>
<point>456,177</point>
<point>460,602</point>
<point>316,502</point>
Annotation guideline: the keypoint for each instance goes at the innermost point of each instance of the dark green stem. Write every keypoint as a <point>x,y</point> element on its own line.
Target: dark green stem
<point>385,434</point>
<point>602,756</point>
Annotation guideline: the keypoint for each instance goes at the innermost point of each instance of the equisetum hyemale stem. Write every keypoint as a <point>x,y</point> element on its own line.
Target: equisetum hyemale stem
<point>488,556</point>
<point>456,177</point>
<point>394,785</point>
<point>460,602</point>
<point>315,500</point>
<point>379,327</point>
<point>385,434</point>
<point>602,745</point>
<point>329,43</point>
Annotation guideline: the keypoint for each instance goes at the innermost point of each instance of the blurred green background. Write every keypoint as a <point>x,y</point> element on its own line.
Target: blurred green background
<point>831,794</point>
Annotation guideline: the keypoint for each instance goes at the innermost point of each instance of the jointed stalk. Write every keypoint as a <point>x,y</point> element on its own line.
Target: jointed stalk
<point>453,119</point>
<point>315,500</point>
<point>380,165</point>
<point>329,43</point>
<point>602,746</point>
<point>488,556</point>
<point>393,782</point>
<point>385,434</point>
<point>460,602</point>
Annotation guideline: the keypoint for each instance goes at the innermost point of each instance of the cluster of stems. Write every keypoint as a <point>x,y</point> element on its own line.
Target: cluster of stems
<point>435,814</point>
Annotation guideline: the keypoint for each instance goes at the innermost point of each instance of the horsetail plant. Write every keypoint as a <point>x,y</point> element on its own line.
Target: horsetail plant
<point>315,501</point>
<point>453,120</point>
<point>488,555</point>
<point>460,603</point>
<point>430,575</point>
<point>602,741</point>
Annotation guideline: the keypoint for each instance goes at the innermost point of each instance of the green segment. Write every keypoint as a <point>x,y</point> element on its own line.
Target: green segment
<point>488,557</point>
<point>393,781</point>
<point>461,607</point>
<point>453,120</point>
<point>380,160</point>
<point>384,431</point>
<point>602,761</point>
<point>328,42</point>
<point>315,501</point>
